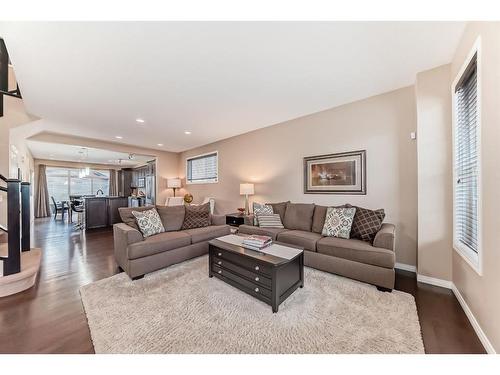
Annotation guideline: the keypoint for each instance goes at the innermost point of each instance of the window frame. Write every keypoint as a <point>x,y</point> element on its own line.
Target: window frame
<point>68,176</point>
<point>473,259</point>
<point>188,182</point>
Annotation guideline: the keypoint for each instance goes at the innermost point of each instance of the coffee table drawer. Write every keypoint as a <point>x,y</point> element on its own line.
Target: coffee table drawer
<point>257,289</point>
<point>256,277</point>
<point>245,262</point>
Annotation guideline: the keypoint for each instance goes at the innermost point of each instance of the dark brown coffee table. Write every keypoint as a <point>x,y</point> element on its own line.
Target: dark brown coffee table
<point>271,278</point>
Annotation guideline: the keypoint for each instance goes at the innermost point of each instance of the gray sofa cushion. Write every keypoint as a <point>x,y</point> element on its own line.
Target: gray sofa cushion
<point>250,229</point>
<point>158,243</point>
<point>171,216</point>
<point>279,208</point>
<point>208,233</point>
<point>307,240</point>
<point>356,250</point>
<point>128,218</point>
<point>299,216</point>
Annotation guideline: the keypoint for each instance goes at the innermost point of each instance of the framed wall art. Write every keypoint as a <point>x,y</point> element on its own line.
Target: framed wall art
<point>342,173</point>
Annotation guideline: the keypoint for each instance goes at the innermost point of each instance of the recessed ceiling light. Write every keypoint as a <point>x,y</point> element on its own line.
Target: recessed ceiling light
<point>118,137</point>
<point>187,132</point>
<point>140,120</point>
<point>160,144</point>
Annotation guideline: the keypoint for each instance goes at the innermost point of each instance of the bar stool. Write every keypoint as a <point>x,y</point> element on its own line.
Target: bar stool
<point>77,206</point>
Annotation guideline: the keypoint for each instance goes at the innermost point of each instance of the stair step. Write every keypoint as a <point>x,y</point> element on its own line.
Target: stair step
<point>30,264</point>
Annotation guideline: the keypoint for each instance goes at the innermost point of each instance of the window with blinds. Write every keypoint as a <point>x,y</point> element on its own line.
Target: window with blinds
<point>202,169</point>
<point>466,163</point>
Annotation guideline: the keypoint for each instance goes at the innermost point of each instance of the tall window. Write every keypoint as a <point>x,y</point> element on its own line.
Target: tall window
<point>63,182</point>
<point>202,169</point>
<point>466,163</point>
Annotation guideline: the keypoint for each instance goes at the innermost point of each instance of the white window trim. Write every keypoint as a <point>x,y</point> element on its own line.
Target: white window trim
<point>475,261</point>
<point>203,181</point>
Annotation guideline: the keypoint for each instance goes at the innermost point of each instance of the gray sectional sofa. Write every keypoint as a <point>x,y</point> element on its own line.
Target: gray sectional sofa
<point>137,255</point>
<point>368,262</point>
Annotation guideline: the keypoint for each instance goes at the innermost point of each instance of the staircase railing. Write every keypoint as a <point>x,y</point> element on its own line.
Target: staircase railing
<point>18,222</point>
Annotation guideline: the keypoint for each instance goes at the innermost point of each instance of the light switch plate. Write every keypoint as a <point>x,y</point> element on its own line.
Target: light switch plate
<point>413,135</point>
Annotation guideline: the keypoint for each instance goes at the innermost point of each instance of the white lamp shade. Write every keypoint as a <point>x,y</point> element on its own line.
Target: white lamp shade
<point>173,182</point>
<point>246,189</point>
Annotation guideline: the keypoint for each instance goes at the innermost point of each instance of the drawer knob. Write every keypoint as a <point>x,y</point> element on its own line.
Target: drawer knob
<point>219,254</point>
<point>256,290</point>
<point>257,278</point>
<point>219,262</point>
<point>219,272</point>
<point>257,268</point>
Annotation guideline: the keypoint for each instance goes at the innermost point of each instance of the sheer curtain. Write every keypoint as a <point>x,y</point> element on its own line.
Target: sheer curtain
<point>113,183</point>
<point>42,205</point>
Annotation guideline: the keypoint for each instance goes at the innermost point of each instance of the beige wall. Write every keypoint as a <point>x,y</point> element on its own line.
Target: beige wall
<point>272,158</point>
<point>435,198</point>
<point>482,292</point>
<point>14,115</point>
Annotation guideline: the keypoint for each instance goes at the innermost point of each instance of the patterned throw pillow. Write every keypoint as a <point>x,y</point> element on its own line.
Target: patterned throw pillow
<point>149,222</point>
<point>197,216</point>
<point>260,209</point>
<point>367,223</point>
<point>270,221</point>
<point>338,221</point>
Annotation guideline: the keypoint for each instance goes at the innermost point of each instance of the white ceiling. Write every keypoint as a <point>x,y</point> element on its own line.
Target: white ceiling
<point>79,154</point>
<point>215,79</point>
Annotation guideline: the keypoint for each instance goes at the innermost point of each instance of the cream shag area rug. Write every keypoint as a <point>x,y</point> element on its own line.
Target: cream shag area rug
<point>181,310</point>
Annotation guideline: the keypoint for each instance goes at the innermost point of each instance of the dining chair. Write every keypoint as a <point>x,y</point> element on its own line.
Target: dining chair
<point>59,207</point>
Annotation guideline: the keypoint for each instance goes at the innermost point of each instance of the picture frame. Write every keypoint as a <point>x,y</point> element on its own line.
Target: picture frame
<point>339,173</point>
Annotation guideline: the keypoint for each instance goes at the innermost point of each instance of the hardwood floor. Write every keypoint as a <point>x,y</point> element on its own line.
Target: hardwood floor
<point>49,318</point>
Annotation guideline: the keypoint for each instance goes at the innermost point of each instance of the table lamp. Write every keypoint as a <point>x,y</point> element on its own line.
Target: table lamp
<point>246,190</point>
<point>174,183</point>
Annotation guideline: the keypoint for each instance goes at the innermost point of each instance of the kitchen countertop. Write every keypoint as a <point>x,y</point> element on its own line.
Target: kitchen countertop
<point>104,197</point>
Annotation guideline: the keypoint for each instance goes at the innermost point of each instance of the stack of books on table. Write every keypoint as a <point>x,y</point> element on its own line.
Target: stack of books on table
<point>256,242</point>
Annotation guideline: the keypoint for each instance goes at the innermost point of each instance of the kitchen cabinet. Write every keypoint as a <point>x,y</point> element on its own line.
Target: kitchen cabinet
<point>103,211</point>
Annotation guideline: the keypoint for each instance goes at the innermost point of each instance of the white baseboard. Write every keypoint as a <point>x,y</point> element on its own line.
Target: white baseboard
<point>473,321</point>
<point>434,281</point>
<point>406,267</point>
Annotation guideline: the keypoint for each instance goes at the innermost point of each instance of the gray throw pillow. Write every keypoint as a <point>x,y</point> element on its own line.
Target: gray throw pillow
<point>338,222</point>
<point>260,209</point>
<point>149,222</point>
<point>279,208</point>
<point>197,216</point>
<point>128,218</point>
<point>270,221</point>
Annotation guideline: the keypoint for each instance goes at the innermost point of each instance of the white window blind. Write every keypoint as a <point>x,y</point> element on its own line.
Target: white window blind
<point>202,169</point>
<point>466,160</point>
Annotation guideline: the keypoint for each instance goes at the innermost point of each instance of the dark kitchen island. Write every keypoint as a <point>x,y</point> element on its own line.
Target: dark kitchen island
<point>103,211</point>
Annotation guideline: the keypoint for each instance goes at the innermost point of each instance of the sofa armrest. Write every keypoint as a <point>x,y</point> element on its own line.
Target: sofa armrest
<point>125,235</point>
<point>218,219</point>
<point>385,237</point>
